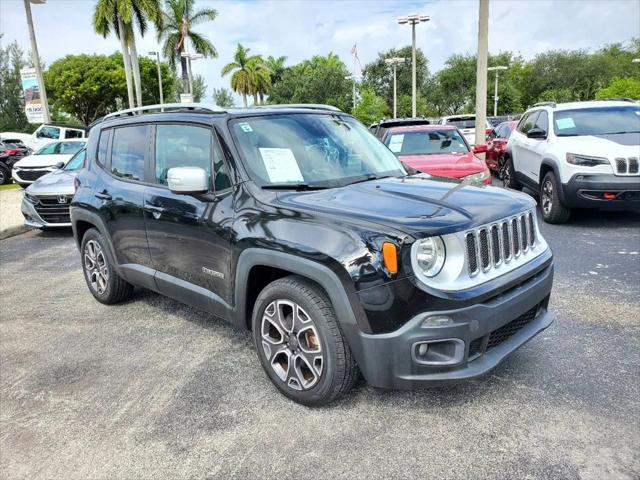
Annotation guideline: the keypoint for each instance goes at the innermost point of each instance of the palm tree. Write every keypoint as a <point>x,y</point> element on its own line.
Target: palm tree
<point>276,67</point>
<point>241,80</point>
<point>178,18</point>
<point>260,79</point>
<point>119,16</point>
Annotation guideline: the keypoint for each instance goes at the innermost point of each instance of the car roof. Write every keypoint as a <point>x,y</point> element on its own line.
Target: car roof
<point>421,128</point>
<point>463,115</point>
<point>594,104</point>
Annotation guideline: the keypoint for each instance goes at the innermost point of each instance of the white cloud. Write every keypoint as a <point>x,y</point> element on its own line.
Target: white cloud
<point>300,29</point>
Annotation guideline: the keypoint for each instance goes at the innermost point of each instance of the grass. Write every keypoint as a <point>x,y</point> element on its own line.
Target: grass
<point>9,186</point>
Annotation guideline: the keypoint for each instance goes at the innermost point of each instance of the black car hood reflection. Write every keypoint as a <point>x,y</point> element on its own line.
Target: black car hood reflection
<point>418,205</point>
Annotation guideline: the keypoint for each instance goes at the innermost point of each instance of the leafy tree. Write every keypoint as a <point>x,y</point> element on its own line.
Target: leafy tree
<point>621,88</point>
<point>199,88</point>
<point>317,80</point>
<point>178,18</point>
<point>276,67</point>
<point>241,79</point>
<point>223,97</point>
<point>260,79</point>
<point>12,116</point>
<point>378,76</point>
<point>120,16</point>
<point>370,108</point>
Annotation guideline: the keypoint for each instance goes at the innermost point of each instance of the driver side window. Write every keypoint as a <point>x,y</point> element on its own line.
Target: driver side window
<point>528,122</point>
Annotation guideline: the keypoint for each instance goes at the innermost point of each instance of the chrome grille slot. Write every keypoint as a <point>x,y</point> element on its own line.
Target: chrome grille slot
<point>489,246</point>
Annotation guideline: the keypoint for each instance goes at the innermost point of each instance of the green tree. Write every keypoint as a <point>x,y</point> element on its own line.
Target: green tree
<point>371,107</point>
<point>223,97</point>
<point>621,88</point>
<point>12,117</point>
<point>241,78</point>
<point>120,16</point>
<point>260,79</point>
<point>178,19</point>
<point>317,80</point>
<point>276,67</point>
<point>199,88</point>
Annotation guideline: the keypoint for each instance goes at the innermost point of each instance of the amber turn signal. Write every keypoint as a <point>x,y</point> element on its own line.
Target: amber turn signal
<point>390,257</point>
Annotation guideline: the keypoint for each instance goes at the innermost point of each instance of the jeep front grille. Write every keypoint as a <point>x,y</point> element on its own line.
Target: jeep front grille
<point>627,166</point>
<point>491,245</point>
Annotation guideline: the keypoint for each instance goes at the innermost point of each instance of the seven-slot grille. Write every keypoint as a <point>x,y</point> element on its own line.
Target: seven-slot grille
<point>51,209</point>
<point>627,166</point>
<point>491,245</point>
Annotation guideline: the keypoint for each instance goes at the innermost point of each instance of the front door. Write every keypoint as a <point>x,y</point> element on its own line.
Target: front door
<point>189,235</point>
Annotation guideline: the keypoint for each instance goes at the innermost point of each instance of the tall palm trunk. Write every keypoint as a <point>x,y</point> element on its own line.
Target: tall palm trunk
<point>244,100</point>
<point>127,63</point>
<point>255,98</point>
<point>185,72</point>
<point>135,65</point>
<point>261,94</point>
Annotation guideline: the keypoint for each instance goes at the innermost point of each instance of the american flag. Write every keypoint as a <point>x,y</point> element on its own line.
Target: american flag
<point>354,50</point>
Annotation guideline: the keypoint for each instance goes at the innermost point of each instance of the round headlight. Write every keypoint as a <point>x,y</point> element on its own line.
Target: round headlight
<point>430,255</point>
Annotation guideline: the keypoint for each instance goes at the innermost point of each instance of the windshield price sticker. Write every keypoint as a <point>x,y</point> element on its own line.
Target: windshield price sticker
<point>395,145</point>
<point>281,165</point>
<point>565,123</point>
<point>245,127</point>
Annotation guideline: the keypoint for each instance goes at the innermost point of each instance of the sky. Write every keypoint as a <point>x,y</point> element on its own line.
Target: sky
<point>300,29</point>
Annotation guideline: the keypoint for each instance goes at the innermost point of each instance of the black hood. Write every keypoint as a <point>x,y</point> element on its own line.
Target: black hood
<point>415,205</point>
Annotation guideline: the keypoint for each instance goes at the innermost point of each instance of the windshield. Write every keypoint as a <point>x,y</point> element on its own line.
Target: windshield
<point>48,132</point>
<point>427,142</point>
<point>60,148</point>
<point>311,149</point>
<point>597,121</point>
<point>464,122</point>
<point>77,161</point>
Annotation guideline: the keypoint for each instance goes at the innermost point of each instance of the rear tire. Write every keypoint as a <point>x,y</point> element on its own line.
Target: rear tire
<point>299,342</point>
<point>5,174</point>
<point>553,211</point>
<point>102,279</point>
<point>508,174</point>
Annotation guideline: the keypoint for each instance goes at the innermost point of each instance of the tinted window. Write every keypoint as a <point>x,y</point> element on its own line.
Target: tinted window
<point>527,122</point>
<point>73,134</point>
<point>128,152</point>
<point>597,121</point>
<point>427,142</point>
<point>462,122</point>
<point>182,146</point>
<point>102,147</point>
<point>49,132</point>
<point>543,121</point>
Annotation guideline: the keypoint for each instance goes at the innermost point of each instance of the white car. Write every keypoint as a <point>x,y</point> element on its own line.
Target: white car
<point>44,134</point>
<point>577,155</point>
<point>52,156</point>
<point>467,125</point>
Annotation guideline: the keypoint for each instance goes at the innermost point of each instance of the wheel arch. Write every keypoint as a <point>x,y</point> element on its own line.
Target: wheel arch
<point>549,165</point>
<point>82,221</point>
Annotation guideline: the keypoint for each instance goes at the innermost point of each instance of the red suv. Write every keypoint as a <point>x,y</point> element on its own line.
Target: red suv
<point>497,144</point>
<point>439,150</point>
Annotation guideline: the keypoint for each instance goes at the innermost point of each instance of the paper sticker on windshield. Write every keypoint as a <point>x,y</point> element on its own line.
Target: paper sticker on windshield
<point>565,123</point>
<point>395,145</point>
<point>245,127</point>
<point>281,165</point>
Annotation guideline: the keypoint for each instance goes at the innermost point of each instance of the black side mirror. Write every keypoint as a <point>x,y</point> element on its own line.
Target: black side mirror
<point>59,165</point>
<point>537,133</point>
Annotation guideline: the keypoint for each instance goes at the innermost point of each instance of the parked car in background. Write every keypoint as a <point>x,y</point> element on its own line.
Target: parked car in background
<point>46,133</point>
<point>380,128</point>
<point>495,121</point>
<point>10,153</point>
<point>497,145</point>
<point>46,201</point>
<point>52,156</point>
<point>439,150</point>
<point>577,155</point>
<point>295,223</point>
<point>467,125</point>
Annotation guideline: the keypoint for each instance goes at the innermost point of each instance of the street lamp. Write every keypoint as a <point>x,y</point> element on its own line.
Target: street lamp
<point>189,57</point>
<point>394,62</point>
<point>36,59</point>
<point>495,89</point>
<point>157,55</point>
<point>413,19</point>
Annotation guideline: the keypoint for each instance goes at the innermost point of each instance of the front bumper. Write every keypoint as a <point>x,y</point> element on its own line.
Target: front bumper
<point>477,339</point>
<point>53,218</point>
<point>605,191</point>
<point>28,176</point>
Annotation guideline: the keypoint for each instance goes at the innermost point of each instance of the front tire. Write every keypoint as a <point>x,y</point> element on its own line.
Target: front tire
<point>5,175</point>
<point>553,211</point>
<point>508,174</point>
<point>102,279</point>
<point>299,342</point>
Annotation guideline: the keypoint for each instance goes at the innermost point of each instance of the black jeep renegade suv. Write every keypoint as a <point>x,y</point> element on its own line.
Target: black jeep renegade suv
<point>298,224</point>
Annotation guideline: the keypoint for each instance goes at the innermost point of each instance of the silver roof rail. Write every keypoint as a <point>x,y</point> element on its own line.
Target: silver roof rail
<point>545,104</point>
<point>313,106</point>
<point>166,107</point>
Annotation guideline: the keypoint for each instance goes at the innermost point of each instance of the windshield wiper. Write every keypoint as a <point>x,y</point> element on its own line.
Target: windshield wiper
<point>368,178</point>
<point>619,133</point>
<point>299,187</point>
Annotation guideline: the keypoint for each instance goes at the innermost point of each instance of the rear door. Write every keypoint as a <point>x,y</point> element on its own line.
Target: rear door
<point>521,145</point>
<point>533,148</point>
<point>189,236</point>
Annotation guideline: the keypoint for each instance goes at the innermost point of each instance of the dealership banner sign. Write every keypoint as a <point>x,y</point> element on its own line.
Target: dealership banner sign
<point>31,89</point>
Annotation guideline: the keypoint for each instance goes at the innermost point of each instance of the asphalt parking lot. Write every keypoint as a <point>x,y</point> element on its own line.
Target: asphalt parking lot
<point>152,388</point>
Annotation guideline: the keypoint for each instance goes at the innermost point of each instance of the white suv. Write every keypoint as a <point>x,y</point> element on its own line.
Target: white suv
<point>467,125</point>
<point>577,155</point>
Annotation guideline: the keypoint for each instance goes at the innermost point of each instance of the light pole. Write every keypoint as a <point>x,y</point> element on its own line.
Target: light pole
<point>36,60</point>
<point>394,62</point>
<point>352,77</point>
<point>481,72</point>
<point>157,55</point>
<point>495,87</point>
<point>189,57</point>
<point>413,19</point>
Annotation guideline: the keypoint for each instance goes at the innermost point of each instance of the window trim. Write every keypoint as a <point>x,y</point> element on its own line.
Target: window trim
<point>107,159</point>
<point>543,111</point>
<point>107,168</point>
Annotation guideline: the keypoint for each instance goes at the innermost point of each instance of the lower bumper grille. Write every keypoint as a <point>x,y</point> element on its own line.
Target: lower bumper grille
<point>31,175</point>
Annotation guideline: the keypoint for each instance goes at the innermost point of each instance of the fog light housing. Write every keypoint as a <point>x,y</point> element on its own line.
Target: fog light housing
<point>437,321</point>
<point>449,351</point>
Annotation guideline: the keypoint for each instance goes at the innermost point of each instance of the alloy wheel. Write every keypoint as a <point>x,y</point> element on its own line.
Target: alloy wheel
<point>547,197</point>
<point>291,344</point>
<point>95,265</point>
<point>505,175</point>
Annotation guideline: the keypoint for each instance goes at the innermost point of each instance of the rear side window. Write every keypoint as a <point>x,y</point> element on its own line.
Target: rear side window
<point>102,147</point>
<point>73,134</point>
<point>128,152</point>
